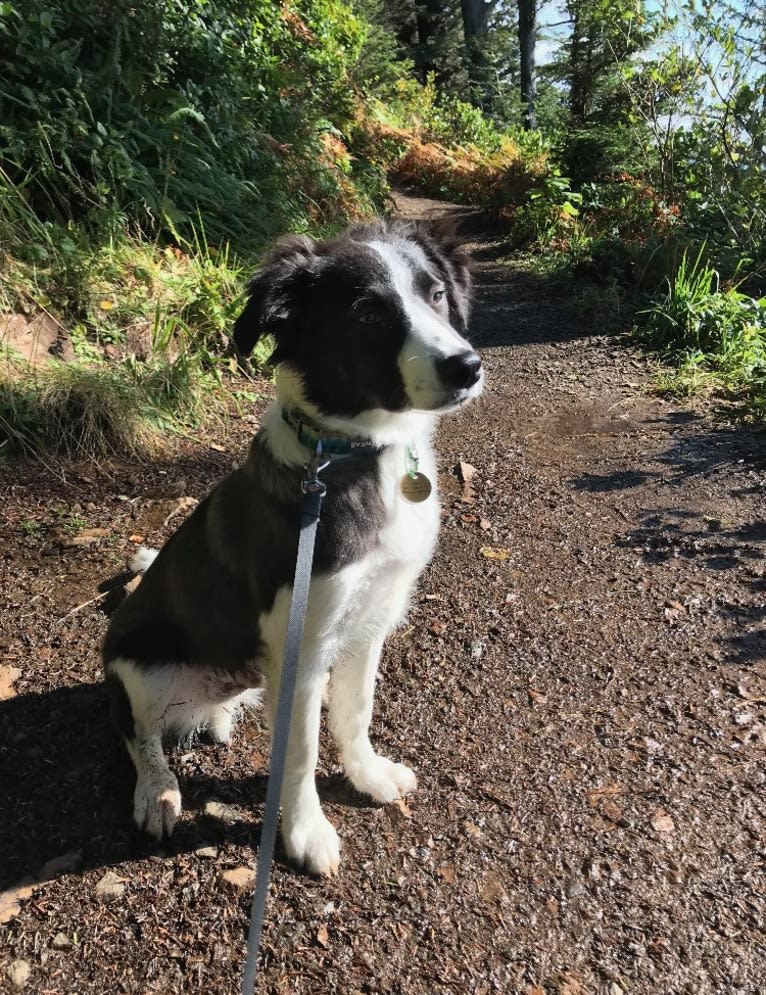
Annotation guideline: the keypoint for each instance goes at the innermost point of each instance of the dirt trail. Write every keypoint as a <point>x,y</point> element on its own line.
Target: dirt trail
<point>581,687</point>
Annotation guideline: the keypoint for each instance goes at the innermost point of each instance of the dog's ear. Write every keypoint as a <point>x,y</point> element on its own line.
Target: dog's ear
<point>273,295</point>
<point>447,250</point>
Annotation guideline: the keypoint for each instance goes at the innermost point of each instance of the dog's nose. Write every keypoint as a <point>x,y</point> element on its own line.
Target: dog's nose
<point>461,371</point>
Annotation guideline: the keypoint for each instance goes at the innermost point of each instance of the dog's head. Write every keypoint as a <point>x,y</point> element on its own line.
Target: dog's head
<point>370,321</point>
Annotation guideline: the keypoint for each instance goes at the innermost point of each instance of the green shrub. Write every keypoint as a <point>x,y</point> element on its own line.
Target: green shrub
<point>159,113</point>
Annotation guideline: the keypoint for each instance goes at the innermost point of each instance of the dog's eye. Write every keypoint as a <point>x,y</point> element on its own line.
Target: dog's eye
<point>368,313</point>
<point>437,296</point>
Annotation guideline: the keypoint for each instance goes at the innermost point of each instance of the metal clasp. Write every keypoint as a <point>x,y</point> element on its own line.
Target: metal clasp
<point>311,484</point>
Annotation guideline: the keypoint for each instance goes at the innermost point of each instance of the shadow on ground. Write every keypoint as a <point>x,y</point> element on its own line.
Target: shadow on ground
<point>708,538</point>
<point>67,788</point>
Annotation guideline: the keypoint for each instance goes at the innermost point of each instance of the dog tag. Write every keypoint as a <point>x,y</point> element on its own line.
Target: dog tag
<point>415,488</point>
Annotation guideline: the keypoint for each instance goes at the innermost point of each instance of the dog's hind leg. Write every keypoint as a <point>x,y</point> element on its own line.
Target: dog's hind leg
<point>141,702</point>
<point>352,689</point>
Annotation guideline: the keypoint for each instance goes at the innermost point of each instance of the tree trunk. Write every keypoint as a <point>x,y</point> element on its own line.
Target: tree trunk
<point>475,20</point>
<point>527,40</point>
<point>577,69</point>
<point>427,18</point>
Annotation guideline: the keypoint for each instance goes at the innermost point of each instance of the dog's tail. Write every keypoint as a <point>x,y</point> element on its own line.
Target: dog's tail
<point>142,559</point>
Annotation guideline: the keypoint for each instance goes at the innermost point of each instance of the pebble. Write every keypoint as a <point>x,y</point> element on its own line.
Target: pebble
<point>209,852</point>
<point>110,886</point>
<point>575,888</point>
<point>226,813</point>
<point>18,973</point>
<point>60,940</point>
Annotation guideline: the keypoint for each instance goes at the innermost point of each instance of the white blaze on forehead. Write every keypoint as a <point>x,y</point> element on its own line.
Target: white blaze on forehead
<point>430,336</point>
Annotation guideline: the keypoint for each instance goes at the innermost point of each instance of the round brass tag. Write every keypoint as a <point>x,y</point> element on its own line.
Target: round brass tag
<point>416,488</point>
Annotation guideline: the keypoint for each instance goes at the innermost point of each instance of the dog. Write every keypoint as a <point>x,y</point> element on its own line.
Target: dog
<point>369,351</point>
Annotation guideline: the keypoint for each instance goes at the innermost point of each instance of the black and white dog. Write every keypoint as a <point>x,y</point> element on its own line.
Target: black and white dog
<point>369,352</point>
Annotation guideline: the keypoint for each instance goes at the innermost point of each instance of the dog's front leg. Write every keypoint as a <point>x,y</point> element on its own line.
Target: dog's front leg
<point>352,689</point>
<point>309,838</point>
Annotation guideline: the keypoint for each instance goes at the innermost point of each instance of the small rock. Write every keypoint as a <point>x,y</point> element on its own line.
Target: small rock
<point>226,813</point>
<point>239,878</point>
<point>110,886</point>
<point>60,941</point>
<point>209,852</point>
<point>8,675</point>
<point>10,900</point>
<point>575,888</point>
<point>18,973</point>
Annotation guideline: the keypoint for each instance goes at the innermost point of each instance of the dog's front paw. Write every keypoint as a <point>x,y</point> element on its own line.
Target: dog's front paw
<point>157,805</point>
<point>382,779</point>
<point>313,843</point>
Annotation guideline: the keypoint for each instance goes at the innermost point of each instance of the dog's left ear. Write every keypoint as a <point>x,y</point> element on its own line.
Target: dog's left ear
<point>447,251</point>
<point>274,291</point>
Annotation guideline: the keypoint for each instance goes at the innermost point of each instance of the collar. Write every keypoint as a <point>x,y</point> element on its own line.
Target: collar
<point>334,445</point>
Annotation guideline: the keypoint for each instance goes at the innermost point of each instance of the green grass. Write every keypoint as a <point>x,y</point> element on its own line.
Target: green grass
<point>90,411</point>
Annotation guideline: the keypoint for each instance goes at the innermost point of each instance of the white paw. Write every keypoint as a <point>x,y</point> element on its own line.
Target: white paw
<point>157,805</point>
<point>381,779</point>
<point>220,725</point>
<point>313,843</point>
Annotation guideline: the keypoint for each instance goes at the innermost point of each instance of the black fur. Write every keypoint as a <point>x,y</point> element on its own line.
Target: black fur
<point>200,601</point>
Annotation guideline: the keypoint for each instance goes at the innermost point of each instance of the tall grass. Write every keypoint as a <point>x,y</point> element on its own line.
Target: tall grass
<point>716,336</point>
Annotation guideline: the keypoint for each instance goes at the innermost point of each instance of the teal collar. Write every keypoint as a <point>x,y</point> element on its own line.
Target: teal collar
<point>334,445</point>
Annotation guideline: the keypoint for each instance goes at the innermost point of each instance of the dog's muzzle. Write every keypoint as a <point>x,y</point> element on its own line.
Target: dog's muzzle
<point>460,372</point>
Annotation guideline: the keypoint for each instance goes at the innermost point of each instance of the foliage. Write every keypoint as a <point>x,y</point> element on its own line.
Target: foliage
<point>88,411</point>
<point>717,336</point>
<point>160,113</point>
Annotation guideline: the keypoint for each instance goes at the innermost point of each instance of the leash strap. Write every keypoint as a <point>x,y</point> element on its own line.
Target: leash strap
<point>313,491</point>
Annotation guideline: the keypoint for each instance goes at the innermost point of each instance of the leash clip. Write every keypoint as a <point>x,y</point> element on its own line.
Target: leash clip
<point>311,484</point>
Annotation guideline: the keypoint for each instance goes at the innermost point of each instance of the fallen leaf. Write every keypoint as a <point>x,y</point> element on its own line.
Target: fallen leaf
<point>403,807</point>
<point>466,473</point>
<point>7,676</point>
<point>437,628</point>
<point>136,538</point>
<point>239,878</point>
<point>447,873</point>
<point>85,538</point>
<point>569,984</point>
<point>596,795</point>
<point>10,900</point>
<point>322,935</point>
<point>485,524</point>
<point>218,449</point>
<point>495,552</point>
<point>662,822</point>
<point>537,697</point>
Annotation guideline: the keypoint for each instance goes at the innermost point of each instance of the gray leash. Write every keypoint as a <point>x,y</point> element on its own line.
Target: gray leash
<point>313,492</point>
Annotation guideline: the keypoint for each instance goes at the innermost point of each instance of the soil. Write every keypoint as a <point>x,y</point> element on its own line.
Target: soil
<point>581,687</point>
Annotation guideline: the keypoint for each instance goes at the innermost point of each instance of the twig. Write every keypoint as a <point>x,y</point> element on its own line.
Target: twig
<point>83,605</point>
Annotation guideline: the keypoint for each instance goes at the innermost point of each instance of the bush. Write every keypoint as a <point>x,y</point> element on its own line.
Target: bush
<point>89,411</point>
<point>159,113</point>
